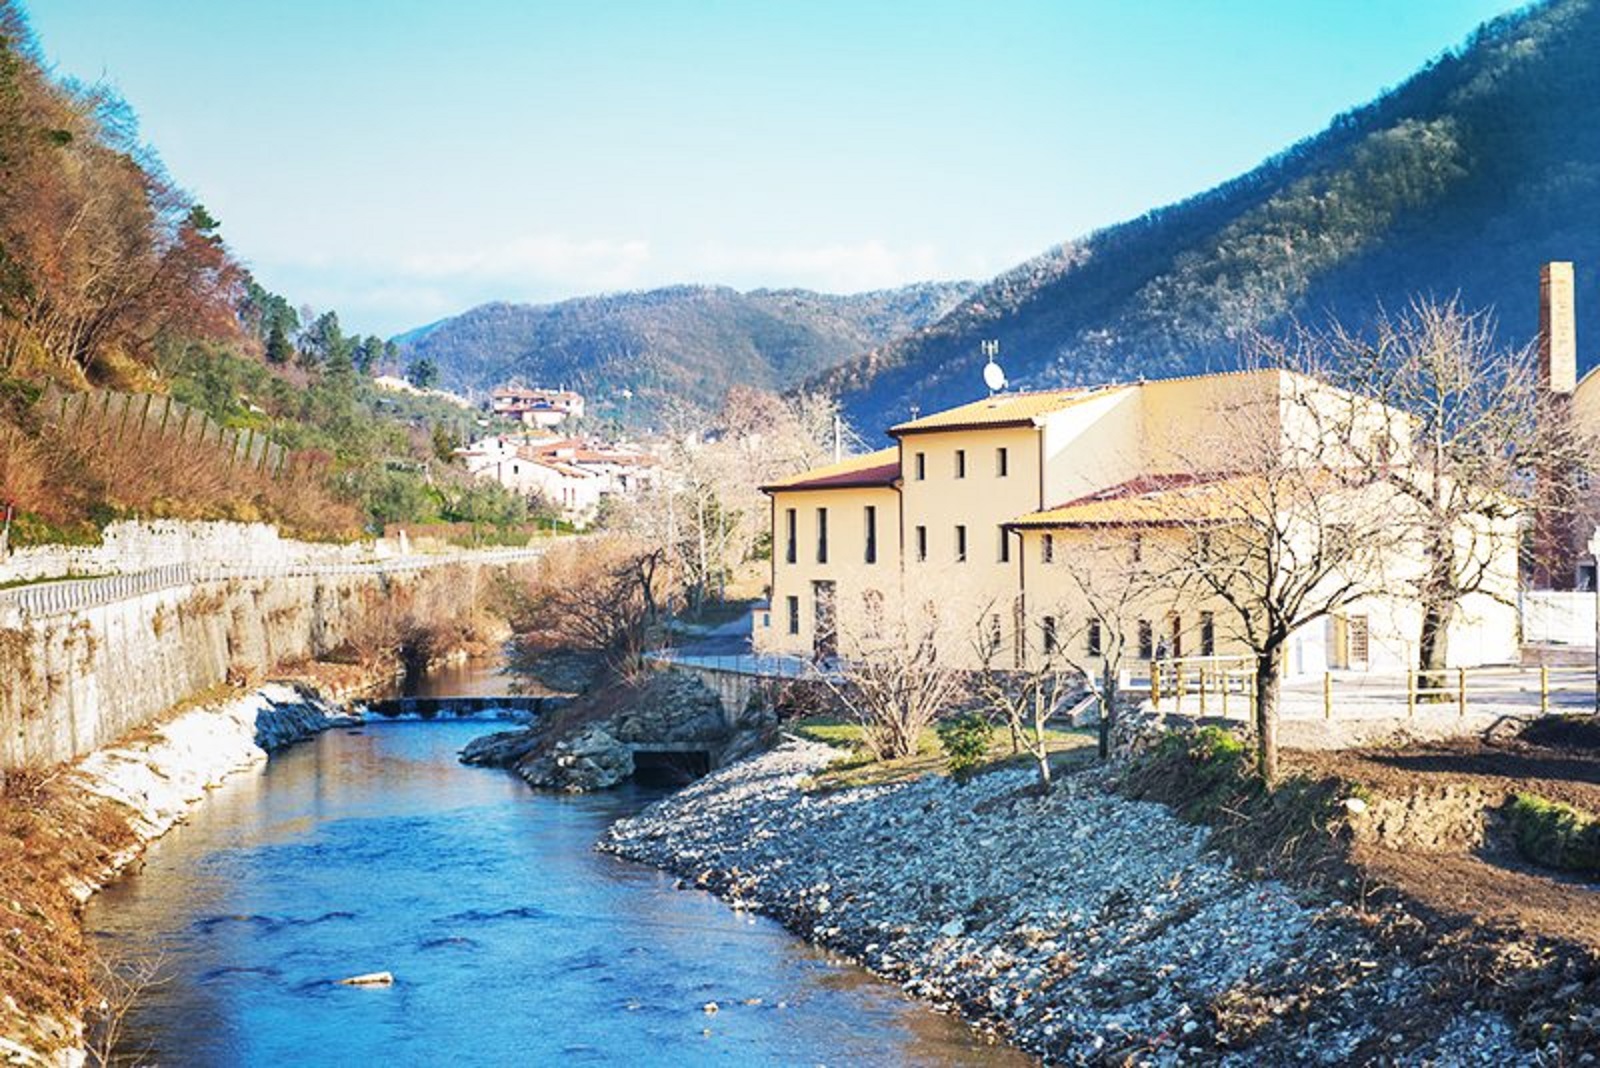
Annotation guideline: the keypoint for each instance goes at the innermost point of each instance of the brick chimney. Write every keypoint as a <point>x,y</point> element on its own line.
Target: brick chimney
<point>1558,329</point>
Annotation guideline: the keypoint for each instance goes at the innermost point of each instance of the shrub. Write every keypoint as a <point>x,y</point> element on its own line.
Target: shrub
<point>965,740</point>
<point>1555,835</point>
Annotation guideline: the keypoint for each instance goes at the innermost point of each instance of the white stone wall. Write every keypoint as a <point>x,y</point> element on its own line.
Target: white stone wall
<point>138,545</point>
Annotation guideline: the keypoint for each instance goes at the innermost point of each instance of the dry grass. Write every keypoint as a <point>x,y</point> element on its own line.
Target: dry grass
<point>70,476</point>
<point>51,832</point>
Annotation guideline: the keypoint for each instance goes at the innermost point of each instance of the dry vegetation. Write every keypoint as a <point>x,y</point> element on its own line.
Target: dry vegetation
<point>71,478</point>
<point>52,834</point>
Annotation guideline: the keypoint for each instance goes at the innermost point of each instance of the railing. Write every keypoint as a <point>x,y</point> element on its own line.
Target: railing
<point>1212,682</point>
<point>1449,685</point>
<point>60,598</point>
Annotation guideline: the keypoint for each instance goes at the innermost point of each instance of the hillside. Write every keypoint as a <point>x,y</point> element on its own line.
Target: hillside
<point>673,345</point>
<point>1463,179</point>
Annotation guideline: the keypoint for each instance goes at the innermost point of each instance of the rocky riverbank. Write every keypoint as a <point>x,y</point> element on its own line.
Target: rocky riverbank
<point>592,743</point>
<point>1082,926</point>
<point>69,832</point>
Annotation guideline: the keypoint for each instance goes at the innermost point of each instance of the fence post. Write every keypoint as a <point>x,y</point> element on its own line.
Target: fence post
<point>1411,693</point>
<point>1544,689</point>
<point>1202,691</point>
<point>1327,695</point>
<point>1177,687</point>
<point>1155,685</point>
<point>1461,691</point>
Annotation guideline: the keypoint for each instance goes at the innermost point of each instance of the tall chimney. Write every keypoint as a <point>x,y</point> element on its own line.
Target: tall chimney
<point>1558,330</point>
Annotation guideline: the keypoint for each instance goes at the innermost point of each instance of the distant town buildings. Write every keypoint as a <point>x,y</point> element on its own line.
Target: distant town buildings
<point>571,474</point>
<point>396,384</point>
<point>536,407</point>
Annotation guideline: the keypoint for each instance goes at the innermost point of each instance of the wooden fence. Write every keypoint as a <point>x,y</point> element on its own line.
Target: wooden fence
<point>130,417</point>
<point>1226,685</point>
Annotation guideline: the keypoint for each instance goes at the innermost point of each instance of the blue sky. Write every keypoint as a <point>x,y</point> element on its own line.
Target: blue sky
<point>401,160</point>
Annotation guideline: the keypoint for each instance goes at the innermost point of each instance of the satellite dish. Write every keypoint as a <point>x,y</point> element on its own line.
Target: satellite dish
<point>993,376</point>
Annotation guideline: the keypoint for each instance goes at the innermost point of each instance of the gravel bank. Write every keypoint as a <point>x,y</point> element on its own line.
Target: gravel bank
<point>1083,927</point>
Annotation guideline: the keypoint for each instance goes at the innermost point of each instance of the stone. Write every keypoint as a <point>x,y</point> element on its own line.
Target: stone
<point>369,979</point>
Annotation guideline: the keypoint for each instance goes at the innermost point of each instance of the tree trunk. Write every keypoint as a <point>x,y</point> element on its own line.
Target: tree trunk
<point>1108,709</point>
<point>1268,679</point>
<point>1433,647</point>
<point>1044,770</point>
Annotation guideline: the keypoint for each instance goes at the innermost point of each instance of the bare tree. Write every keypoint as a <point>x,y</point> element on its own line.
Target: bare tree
<point>1480,448</point>
<point>1110,588</point>
<point>600,597</point>
<point>1292,534</point>
<point>1026,697</point>
<point>891,675</point>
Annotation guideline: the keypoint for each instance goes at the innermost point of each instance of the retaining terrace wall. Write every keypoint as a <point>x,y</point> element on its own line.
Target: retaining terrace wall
<point>137,545</point>
<point>74,681</point>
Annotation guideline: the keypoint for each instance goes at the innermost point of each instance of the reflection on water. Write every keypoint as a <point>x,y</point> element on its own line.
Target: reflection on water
<point>511,940</point>
<point>478,677</point>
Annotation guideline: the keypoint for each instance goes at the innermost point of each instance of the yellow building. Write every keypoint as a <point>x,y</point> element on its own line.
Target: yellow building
<point>975,511</point>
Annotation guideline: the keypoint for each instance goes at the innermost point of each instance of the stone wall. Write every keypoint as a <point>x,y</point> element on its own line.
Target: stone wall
<point>72,683</point>
<point>137,545</point>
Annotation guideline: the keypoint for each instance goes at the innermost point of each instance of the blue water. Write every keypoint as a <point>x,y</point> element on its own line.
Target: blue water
<point>511,940</point>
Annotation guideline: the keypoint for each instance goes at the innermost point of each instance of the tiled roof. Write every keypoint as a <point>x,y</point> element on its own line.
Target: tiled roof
<point>879,468</point>
<point>1004,409</point>
<point>1151,500</point>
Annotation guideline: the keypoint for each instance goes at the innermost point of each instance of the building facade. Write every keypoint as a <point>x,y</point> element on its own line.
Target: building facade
<point>1003,515</point>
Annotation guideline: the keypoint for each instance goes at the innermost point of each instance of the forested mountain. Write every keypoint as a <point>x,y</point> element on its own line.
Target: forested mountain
<point>682,344</point>
<point>1461,180</point>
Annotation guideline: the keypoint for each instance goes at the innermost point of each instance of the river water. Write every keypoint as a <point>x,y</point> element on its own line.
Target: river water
<point>511,940</point>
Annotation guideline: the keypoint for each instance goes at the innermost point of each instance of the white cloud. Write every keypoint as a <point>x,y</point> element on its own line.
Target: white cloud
<point>835,268</point>
<point>541,260</point>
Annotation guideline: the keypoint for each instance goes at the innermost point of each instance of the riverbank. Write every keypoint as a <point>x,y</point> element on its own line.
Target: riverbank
<point>1083,926</point>
<point>70,830</point>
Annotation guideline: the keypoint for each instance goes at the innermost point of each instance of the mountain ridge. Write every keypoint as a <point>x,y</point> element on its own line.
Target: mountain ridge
<point>640,354</point>
<point>1460,180</point>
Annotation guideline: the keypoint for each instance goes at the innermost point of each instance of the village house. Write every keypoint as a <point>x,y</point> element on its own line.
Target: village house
<point>536,407</point>
<point>570,474</point>
<point>985,514</point>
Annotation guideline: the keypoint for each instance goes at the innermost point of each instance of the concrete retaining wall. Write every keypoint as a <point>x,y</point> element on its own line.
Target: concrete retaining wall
<point>72,683</point>
<point>138,545</point>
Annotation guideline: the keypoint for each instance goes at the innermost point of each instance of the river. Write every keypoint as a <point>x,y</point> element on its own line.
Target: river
<point>511,940</point>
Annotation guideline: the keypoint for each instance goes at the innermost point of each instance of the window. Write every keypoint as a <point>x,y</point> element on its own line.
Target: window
<point>1001,462</point>
<point>794,615</point>
<point>1048,628</point>
<point>961,463</point>
<point>1138,548</point>
<point>994,633</point>
<point>1005,545</point>
<point>792,552</point>
<point>1047,549</point>
<point>1147,643</point>
<point>1175,628</point>
<point>961,544</point>
<point>822,535</point>
<point>1094,645</point>
<point>1202,545</point>
<point>872,533</point>
<point>922,543</point>
<point>922,466</point>
<point>1208,634</point>
<point>1360,638</point>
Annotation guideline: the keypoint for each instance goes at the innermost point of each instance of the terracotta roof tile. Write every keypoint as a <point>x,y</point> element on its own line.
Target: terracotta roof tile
<point>1003,409</point>
<point>879,468</point>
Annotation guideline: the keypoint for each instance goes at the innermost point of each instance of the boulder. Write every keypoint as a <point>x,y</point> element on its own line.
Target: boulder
<point>590,760</point>
<point>501,749</point>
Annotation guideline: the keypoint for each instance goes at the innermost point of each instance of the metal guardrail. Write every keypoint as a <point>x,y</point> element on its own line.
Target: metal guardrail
<point>75,595</point>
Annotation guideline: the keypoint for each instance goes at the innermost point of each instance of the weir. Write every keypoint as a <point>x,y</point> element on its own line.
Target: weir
<point>502,707</point>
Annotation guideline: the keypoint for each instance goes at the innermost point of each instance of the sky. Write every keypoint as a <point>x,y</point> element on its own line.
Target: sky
<point>400,161</point>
